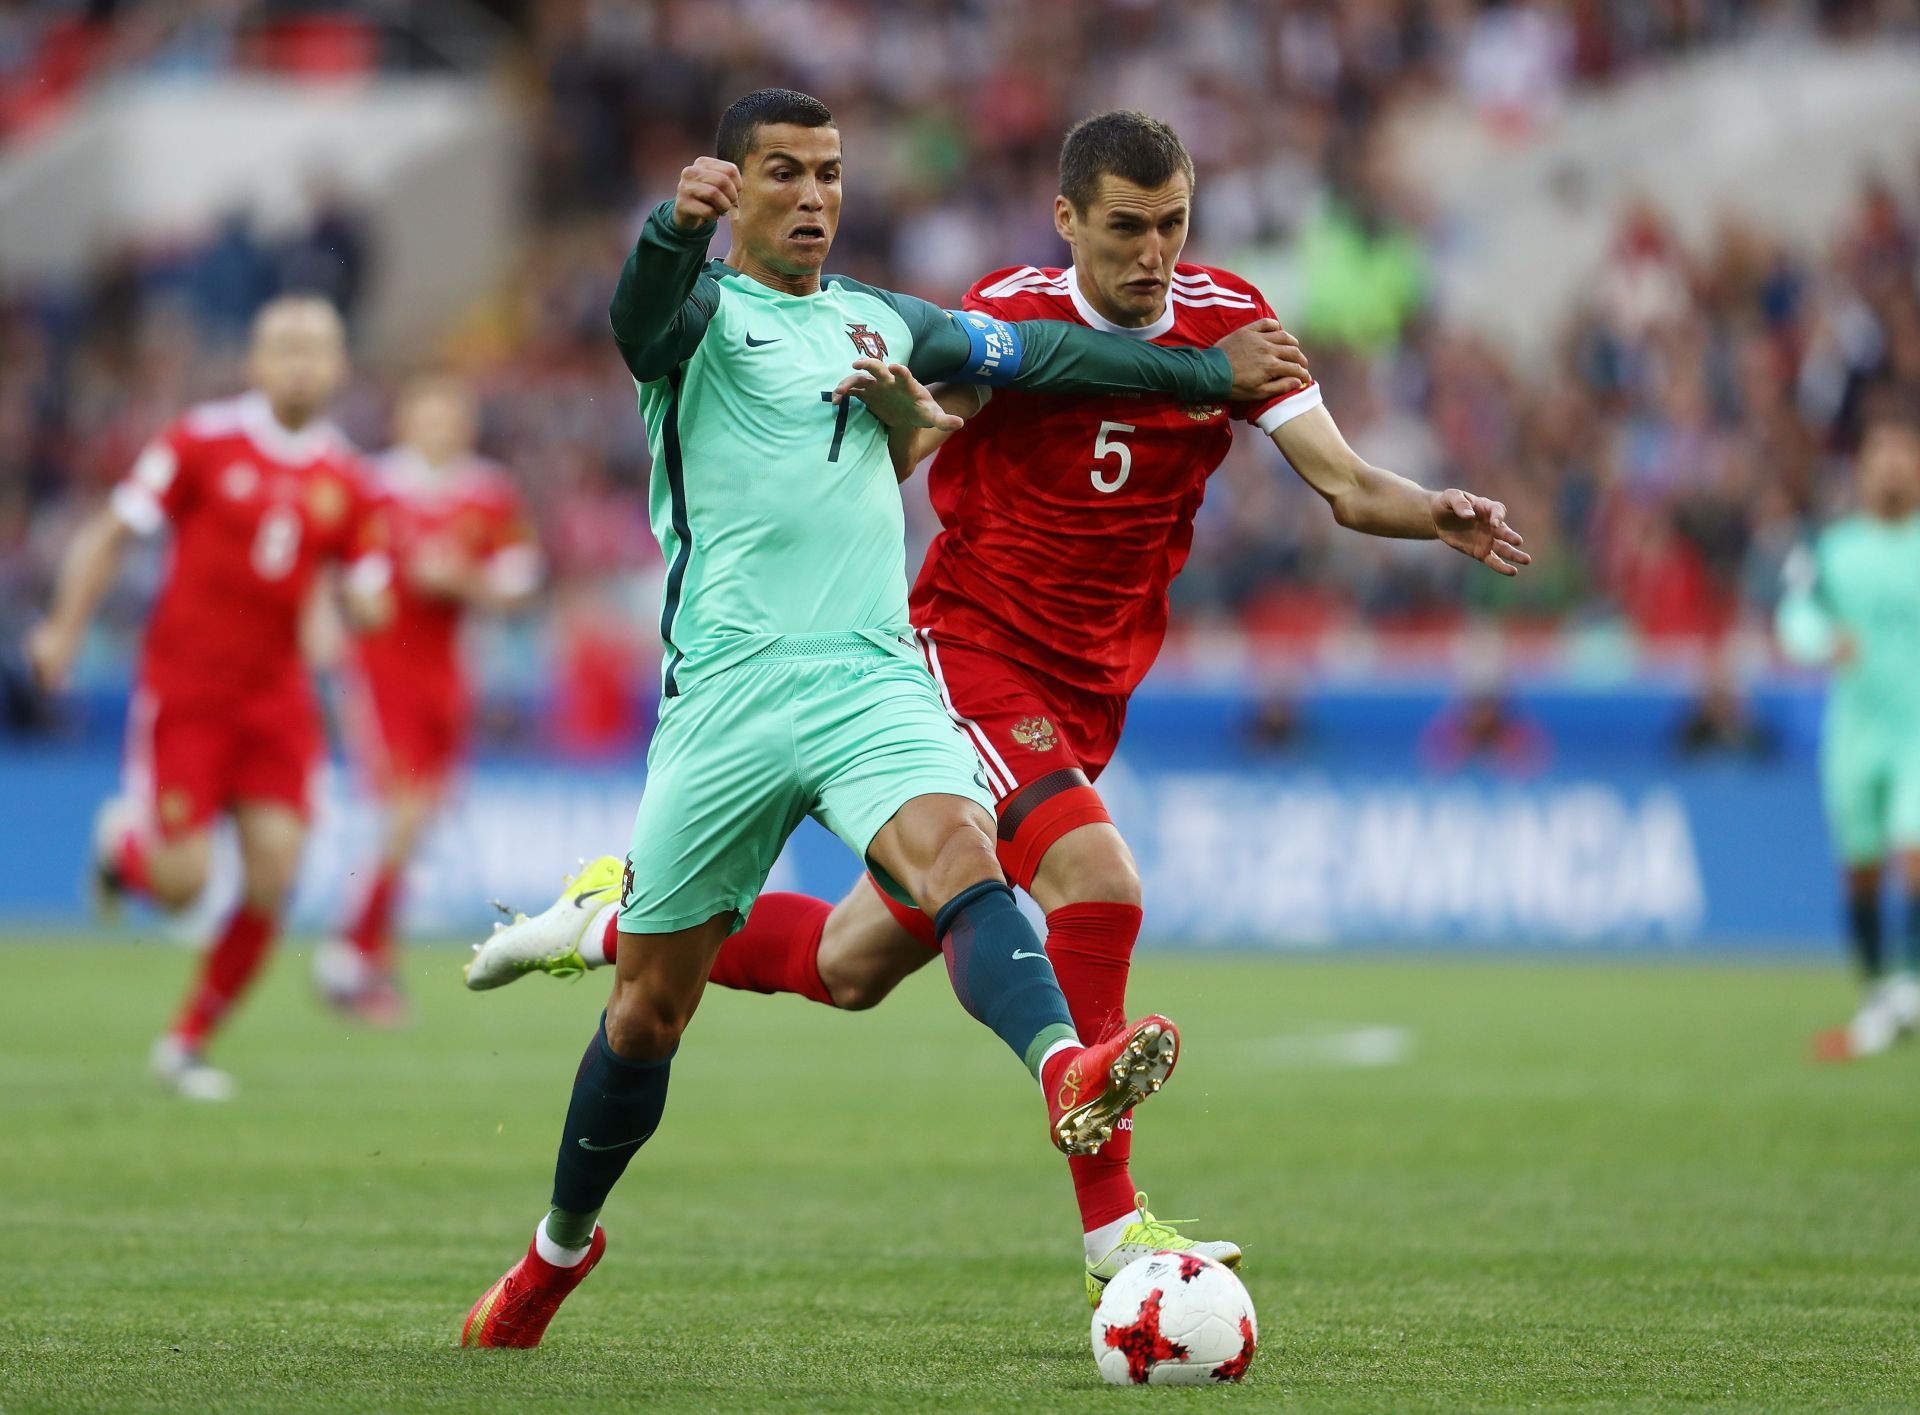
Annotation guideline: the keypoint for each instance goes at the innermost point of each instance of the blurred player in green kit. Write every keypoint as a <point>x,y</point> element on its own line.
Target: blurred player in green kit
<point>1853,605</point>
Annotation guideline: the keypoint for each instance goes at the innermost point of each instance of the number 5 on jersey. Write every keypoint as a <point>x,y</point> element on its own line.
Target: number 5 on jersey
<point>1105,446</point>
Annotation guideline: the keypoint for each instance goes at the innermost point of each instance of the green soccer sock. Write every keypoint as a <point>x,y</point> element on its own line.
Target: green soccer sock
<point>567,1229</point>
<point>1000,971</point>
<point>616,1107</point>
<point>1863,932</point>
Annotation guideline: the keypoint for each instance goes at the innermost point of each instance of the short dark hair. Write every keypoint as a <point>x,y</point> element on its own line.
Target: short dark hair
<point>1136,147</point>
<point>734,142</point>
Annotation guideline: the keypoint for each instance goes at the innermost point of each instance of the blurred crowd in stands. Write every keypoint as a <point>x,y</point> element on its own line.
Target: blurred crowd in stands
<point>1695,417</point>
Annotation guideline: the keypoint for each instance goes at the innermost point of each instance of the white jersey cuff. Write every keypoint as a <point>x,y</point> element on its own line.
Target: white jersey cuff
<point>370,574</point>
<point>1289,408</point>
<point>139,510</point>
<point>515,571</point>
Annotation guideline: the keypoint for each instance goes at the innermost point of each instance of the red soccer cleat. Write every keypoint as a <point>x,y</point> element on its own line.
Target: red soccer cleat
<point>1089,1090</point>
<point>1832,1045</point>
<point>516,1309</point>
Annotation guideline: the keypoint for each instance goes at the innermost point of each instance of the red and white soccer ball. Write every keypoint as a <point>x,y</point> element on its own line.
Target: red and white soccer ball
<point>1174,1319</point>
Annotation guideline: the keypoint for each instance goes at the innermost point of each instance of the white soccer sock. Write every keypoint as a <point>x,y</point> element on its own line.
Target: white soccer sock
<point>1101,1240</point>
<point>593,943</point>
<point>552,1252</point>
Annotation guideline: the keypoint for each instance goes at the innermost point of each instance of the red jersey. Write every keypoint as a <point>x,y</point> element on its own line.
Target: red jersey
<point>469,511</point>
<point>255,511</point>
<point>1065,517</point>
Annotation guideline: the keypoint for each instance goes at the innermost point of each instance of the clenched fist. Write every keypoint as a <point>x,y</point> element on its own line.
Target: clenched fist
<point>708,190</point>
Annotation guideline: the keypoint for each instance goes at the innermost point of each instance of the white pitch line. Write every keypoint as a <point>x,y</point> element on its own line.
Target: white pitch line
<point>1356,1047</point>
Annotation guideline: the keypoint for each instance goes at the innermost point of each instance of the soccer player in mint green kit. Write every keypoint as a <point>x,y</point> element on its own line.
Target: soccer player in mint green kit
<point>1853,604</point>
<point>791,684</point>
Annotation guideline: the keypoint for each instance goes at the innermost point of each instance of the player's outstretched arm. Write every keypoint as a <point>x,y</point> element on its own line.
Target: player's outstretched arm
<point>1377,502</point>
<point>1254,363</point>
<point>1054,356</point>
<point>662,302</point>
<point>86,573</point>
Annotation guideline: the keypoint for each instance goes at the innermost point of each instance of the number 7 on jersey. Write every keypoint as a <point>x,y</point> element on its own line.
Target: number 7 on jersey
<point>839,421</point>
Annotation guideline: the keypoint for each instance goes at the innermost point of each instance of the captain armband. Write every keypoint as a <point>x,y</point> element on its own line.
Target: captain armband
<point>993,355</point>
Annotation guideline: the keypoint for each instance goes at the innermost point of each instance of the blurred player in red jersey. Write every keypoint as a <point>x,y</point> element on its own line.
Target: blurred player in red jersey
<point>1042,604</point>
<point>260,493</point>
<point>460,541</point>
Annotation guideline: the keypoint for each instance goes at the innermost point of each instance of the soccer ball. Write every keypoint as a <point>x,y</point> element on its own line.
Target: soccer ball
<point>1174,1319</point>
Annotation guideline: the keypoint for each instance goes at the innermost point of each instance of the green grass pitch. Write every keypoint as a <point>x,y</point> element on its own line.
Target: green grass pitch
<point>1560,1184</point>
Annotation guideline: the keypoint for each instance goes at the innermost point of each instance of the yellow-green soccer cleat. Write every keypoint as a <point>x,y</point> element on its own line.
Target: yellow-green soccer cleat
<point>548,942</point>
<point>1147,1234</point>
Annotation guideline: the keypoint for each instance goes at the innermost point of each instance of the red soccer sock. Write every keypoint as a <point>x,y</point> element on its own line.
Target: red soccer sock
<point>914,921</point>
<point>1054,1067</point>
<point>778,949</point>
<point>609,940</point>
<point>128,857</point>
<point>1091,948</point>
<point>224,974</point>
<point>372,931</point>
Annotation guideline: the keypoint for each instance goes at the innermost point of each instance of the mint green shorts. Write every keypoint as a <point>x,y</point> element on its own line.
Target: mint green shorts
<point>740,759</point>
<point>1871,780</point>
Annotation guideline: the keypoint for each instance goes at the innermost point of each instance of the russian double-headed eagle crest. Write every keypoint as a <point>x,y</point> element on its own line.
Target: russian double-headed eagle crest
<point>1035,733</point>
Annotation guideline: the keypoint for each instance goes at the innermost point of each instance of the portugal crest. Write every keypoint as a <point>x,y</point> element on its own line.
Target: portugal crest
<point>1202,412</point>
<point>867,341</point>
<point>1035,733</point>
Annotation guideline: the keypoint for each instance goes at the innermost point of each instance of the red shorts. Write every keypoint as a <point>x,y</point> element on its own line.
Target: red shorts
<point>407,733</point>
<point>189,761</point>
<point>1043,745</point>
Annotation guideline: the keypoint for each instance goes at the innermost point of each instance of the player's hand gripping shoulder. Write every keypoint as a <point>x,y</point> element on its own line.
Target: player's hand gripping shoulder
<point>1477,528</point>
<point>1267,361</point>
<point>708,190</point>
<point>916,419</point>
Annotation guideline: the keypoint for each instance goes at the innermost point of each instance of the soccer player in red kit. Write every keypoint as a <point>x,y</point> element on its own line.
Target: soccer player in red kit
<point>460,541</point>
<point>260,493</point>
<point>1040,607</point>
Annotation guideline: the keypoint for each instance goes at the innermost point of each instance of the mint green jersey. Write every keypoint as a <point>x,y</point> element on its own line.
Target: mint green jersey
<point>1862,581</point>
<point>777,511</point>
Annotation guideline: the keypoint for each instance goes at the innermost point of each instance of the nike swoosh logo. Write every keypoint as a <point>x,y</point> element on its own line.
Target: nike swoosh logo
<point>753,343</point>
<point>586,1144</point>
<point>581,901</point>
<point>1022,953</point>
